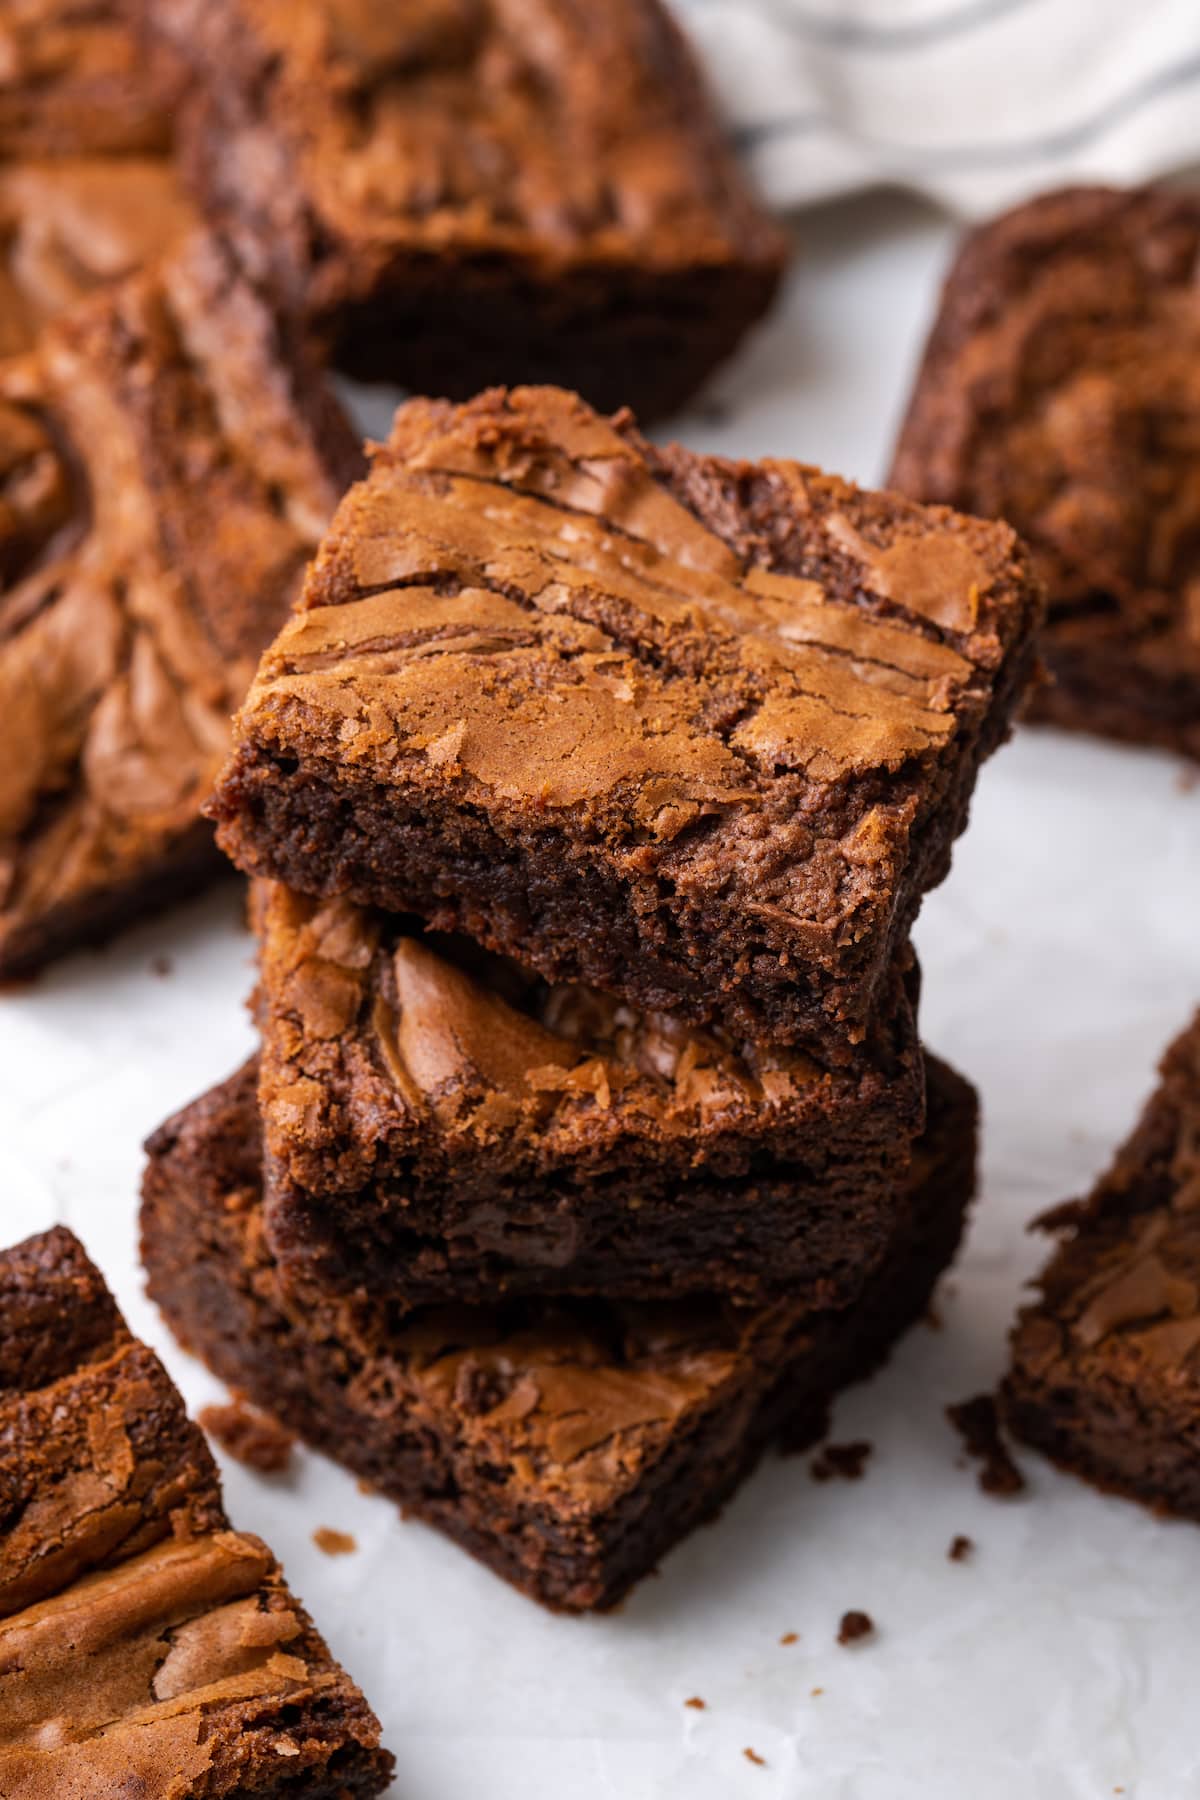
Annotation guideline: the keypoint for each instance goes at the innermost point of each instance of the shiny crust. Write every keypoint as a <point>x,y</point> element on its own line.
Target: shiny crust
<point>1060,390</point>
<point>1105,1374</point>
<point>693,732</point>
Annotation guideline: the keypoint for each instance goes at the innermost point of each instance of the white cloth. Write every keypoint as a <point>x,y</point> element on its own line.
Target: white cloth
<point>975,103</point>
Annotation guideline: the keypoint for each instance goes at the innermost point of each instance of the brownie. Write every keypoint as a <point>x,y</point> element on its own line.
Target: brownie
<point>694,732</point>
<point>166,467</point>
<point>88,188</point>
<point>1061,391</point>
<point>145,1646</point>
<point>479,191</point>
<point>441,1127</point>
<point>1105,1371</point>
<point>567,1444</point>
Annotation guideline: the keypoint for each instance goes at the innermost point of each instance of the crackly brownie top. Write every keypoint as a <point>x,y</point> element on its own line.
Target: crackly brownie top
<point>754,669</point>
<point>530,125</point>
<point>1121,1297</point>
<point>375,1032</point>
<point>1061,391</point>
<point>160,490</point>
<point>88,192</point>
<point>140,1638</point>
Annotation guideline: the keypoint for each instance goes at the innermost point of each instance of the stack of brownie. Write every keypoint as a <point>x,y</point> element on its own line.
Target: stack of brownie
<point>590,793</point>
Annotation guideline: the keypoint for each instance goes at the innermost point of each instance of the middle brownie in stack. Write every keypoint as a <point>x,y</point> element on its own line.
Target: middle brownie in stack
<point>592,789</point>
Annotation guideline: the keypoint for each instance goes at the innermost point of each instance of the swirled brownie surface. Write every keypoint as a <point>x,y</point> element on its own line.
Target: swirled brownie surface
<point>1105,1374</point>
<point>440,1126</point>
<point>463,191</point>
<point>145,1646</point>
<point>694,732</point>
<point>88,189</point>
<point>165,470</point>
<point>1061,391</point>
<point>566,1443</point>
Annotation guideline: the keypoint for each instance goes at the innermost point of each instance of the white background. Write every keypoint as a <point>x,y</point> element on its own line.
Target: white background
<point>1059,958</point>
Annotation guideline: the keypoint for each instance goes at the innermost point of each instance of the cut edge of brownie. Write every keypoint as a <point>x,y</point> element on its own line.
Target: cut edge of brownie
<point>579,1535</point>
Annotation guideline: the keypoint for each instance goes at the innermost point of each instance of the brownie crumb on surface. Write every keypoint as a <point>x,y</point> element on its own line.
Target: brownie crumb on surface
<point>790,1637</point>
<point>843,1462</point>
<point>977,1423</point>
<point>696,1703</point>
<point>334,1543</point>
<point>855,1626</point>
<point>161,966</point>
<point>249,1436</point>
<point>754,1757</point>
<point>961,1549</point>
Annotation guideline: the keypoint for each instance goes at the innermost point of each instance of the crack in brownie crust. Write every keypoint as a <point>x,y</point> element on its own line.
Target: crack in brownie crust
<point>145,1646</point>
<point>440,1126</point>
<point>88,190</point>
<point>164,474</point>
<point>1061,391</point>
<point>568,1445</point>
<point>1105,1374</point>
<point>694,732</point>
<point>472,190</point>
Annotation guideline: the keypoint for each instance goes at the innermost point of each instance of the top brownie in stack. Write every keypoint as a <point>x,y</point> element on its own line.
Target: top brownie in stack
<point>693,732</point>
<point>1061,391</point>
<point>88,191</point>
<point>480,190</point>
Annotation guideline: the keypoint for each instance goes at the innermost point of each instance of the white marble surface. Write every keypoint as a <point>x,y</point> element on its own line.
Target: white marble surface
<point>1059,957</point>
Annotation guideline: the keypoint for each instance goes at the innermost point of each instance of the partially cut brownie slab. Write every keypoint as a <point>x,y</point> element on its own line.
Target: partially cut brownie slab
<point>88,188</point>
<point>567,1444</point>
<point>480,191</point>
<point>145,1646</point>
<point>1061,391</point>
<point>166,468</point>
<point>1105,1374</point>
<point>440,1127</point>
<point>694,732</point>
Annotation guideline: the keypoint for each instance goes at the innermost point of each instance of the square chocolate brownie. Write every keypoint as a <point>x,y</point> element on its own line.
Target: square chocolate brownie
<point>1105,1374</point>
<point>486,190</point>
<point>567,1444</point>
<point>441,1127</point>
<point>145,1646</point>
<point>1061,391</point>
<point>166,468</point>
<point>694,732</point>
<point>88,188</point>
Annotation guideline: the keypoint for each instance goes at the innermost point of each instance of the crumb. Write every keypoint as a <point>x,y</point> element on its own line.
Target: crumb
<point>1186,782</point>
<point>712,410</point>
<point>249,1436</point>
<point>696,1703</point>
<point>162,966</point>
<point>817,1692</point>
<point>854,1627</point>
<point>754,1757</point>
<point>845,1461</point>
<point>933,1318</point>
<point>333,1543</point>
<point>961,1549</point>
<point>790,1637</point>
<point>978,1426</point>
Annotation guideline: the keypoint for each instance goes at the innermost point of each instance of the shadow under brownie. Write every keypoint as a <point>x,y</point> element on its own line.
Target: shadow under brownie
<point>1061,391</point>
<point>694,732</point>
<point>145,1646</point>
<point>166,468</point>
<point>440,1126</point>
<point>568,1445</point>
<point>458,195</point>
<point>1105,1372</point>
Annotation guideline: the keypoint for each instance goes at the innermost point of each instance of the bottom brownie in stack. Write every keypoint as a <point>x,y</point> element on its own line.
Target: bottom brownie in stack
<point>567,1443</point>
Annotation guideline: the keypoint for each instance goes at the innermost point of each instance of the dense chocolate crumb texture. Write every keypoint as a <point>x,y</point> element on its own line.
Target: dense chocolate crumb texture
<point>488,189</point>
<point>88,189</point>
<point>695,732</point>
<point>440,1126</point>
<point>165,471</point>
<point>1061,391</point>
<point>568,1444</point>
<point>145,1646</point>
<point>1105,1372</point>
